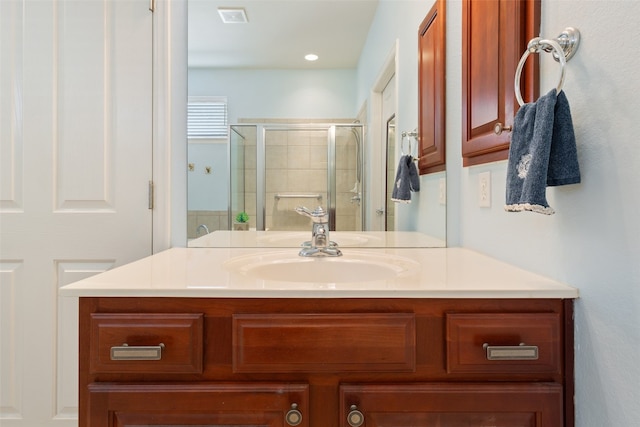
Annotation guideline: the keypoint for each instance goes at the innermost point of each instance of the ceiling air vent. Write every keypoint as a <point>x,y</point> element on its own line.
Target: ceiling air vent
<point>233,16</point>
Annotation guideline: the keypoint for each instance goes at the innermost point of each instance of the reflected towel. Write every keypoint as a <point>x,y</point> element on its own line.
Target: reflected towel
<point>407,180</point>
<point>542,153</point>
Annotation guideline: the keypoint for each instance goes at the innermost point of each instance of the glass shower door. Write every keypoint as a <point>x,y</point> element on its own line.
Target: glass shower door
<point>346,195</point>
<point>295,171</point>
<point>275,168</point>
<point>242,173</point>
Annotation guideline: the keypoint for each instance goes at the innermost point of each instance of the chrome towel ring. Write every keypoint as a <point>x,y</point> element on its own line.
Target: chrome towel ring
<point>409,135</point>
<point>563,48</point>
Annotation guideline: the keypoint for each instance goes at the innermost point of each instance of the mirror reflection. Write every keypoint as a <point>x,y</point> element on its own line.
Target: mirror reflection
<point>270,132</point>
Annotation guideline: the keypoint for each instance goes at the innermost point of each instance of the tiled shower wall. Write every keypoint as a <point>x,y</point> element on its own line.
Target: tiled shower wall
<point>296,163</point>
<point>348,210</point>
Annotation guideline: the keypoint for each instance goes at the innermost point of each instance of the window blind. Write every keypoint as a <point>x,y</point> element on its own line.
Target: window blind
<point>207,117</point>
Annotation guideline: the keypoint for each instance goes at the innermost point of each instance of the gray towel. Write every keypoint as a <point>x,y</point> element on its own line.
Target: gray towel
<point>542,153</point>
<point>407,180</point>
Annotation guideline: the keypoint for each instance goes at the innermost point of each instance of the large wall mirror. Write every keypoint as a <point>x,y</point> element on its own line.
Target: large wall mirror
<point>270,130</point>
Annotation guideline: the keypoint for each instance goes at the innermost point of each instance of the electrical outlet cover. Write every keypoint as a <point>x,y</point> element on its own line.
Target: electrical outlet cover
<point>484,189</point>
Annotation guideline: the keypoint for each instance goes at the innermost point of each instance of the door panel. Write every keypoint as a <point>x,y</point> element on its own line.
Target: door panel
<point>75,126</point>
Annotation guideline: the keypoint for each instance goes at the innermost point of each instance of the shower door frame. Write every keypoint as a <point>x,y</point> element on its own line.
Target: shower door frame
<point>261,131</point>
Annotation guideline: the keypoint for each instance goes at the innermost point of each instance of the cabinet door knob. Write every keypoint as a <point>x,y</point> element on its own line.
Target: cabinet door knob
<point>355,418</point>
<point>499,128</point>
<point>294,416</point>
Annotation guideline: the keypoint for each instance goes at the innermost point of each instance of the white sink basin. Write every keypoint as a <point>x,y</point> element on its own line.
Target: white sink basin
<point>288,266</point>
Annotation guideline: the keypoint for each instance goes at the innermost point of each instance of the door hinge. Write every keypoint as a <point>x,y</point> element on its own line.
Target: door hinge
<point>151,195</point>
<point>152,5</point>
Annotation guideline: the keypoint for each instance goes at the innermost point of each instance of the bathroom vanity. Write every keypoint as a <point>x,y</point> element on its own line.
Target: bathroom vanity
<point>186,337</point>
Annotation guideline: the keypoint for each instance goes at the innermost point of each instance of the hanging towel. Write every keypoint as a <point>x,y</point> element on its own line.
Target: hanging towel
<point>542,153</point>
<point>407,180</point>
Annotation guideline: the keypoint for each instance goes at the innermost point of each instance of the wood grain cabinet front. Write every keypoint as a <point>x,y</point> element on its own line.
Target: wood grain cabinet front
<point>495,34</point>
<point>468,404</point>
<point>323,342</point>
<point>504,343</point>
<point>146,342</point>
<point>203,405</point>
<point>322,362</point>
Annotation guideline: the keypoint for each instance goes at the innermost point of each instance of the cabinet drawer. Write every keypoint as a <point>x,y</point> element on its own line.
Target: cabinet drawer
<point>146,343</point>
<point>504,343</point>
<point>345,342</point>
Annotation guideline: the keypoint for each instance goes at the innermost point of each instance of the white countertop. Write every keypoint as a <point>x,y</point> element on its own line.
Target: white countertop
<point>200,272</point>
<point>292,239</point>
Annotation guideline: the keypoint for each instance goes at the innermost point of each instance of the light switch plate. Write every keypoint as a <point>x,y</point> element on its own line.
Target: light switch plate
<point>442,191</point>
<point>484,189</point>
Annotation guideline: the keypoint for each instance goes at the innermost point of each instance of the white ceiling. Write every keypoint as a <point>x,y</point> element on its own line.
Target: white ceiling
<point>279,33</point>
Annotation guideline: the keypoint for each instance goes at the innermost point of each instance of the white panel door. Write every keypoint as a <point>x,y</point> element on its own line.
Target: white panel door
<point>75,162</point>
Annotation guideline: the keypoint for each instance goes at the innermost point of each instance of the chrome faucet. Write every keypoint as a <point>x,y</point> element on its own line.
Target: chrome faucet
<point>320,244</point>
<point>202,227</point>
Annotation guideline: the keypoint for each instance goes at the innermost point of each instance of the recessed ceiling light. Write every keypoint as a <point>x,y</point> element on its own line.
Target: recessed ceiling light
<point>233,15</point>
<point>311,57</point>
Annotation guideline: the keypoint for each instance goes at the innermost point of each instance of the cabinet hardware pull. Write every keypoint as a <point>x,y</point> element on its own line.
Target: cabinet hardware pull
<point>294,416</point>
<point>355,418</point>
<point>137,352</point>
<point>511,352</point>
<point>499,128</point>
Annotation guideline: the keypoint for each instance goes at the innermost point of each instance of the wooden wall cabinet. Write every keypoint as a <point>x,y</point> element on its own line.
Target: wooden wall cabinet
<point>495,34</point>
<point>431,92</point>
<point>216,362</point>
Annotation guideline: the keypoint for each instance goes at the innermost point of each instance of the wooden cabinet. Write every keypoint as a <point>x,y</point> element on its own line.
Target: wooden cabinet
<point>204,405</point>
<point>495,35</point>
<point>457,404</point>
<point>431,94</point>
<point>325,362</point>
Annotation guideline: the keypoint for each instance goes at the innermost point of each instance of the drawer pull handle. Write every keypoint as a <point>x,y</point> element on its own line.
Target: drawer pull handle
<point>137,352</point>
<point>355,418</point>
<point>294,416</point>
<point>511,352</point>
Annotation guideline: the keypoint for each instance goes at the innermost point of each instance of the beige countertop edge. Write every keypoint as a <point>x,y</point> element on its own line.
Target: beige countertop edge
<point>284,294</point>
<point>200,273</point>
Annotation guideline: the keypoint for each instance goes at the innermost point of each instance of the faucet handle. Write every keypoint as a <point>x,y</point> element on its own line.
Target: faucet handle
<point>318,215</point>
<point>302,210</point>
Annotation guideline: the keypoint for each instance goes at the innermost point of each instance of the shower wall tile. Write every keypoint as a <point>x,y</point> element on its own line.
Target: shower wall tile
<point>298,157</point>
<point>345,223</point>
<point>344,205</point>
<point>276,180</point>
<point>276,157</point>
<point>269,202</point>
<point>317,157</point>
<point>250,156</point>
<point>213,220</point>
<point>345,179</point>
<point>276,137</point>
<point>342,157</point>
<point>318,138</point>
<point>250,207</point>
<point>307,180</point>
<point>250,181</point>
